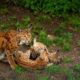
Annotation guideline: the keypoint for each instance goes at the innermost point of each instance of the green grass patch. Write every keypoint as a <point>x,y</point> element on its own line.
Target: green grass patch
<point>4,10</point>
<point>76,67</point>
<point>42,77</point>
<point>75,21</point>
<point>19,69</point>
<point>58,31</point>
<point>4,26</point>
<point>37,28</point>
<point>67,60</point>
<point>77,78</point>
<point>78,42</point>
<point>43,18</point>
<point>68,73</point>
<point>64,41</point>
<point>12,18</point>
<point>63,38</point>
<point>44,39</point>
<point>23,24</point>
<point>53,69</point>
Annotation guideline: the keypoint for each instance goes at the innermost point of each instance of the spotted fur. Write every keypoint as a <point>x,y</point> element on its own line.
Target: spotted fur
<point>10,41</point>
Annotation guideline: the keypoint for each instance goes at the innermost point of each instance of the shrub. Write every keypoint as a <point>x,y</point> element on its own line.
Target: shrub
<point>51,6</point>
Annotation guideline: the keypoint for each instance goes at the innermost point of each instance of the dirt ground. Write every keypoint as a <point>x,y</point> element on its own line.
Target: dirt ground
<point>6,73</point>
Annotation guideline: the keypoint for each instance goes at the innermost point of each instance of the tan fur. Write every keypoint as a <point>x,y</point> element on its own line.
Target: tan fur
<point>23,58</point>
<point>24,61</point>
<point>11,39</point>
<point>54,57</point>
<point>40,48</point>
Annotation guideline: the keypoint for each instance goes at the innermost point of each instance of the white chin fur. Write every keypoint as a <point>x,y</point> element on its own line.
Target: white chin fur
<point>23,42</point>
<point>2,56</point>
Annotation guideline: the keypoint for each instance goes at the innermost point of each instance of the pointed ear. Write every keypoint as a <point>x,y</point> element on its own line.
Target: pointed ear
<point>30,27</point>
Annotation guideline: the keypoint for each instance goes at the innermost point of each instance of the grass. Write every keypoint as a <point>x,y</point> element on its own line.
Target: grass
<point>42,77</point>
<point>58,31</point>
<point>44,39</point>
<point>76,67</point>
<point>37,28</point>
<point>67,60</point>
<point>53,69</point>
<point>12,18</point>
<point>77,78</point>
<point>23,24</point>
<point>68,73</point>
<point>63,38</point>
<point>75,21</point>
<point>78,42</point>
<point>64,41</point>
<point>13,22</point>
<point>4,10</point>
<point>19,69</point>
<point>43,18</point>
<point>4,26</point>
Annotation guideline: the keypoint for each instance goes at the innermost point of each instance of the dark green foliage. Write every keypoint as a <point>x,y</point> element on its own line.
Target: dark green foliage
<point>51,6</point>
<point>4,10</point>
<point>76,67</point>
<point>77,78</point>
<point>75,21</point>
